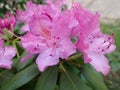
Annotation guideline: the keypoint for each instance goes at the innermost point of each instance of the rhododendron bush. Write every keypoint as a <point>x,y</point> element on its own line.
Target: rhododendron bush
<point>59,46</point>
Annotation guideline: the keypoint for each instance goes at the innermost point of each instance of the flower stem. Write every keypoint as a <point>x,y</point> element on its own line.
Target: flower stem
<point>76,64</point>
<point>16,49</point>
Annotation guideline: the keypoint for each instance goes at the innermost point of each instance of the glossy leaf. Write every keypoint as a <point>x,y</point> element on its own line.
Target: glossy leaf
<point>47,80</point>
<point>70,81</point>
<point>21,65</point>
<point>93,79</point>
<point>5,75</point>
<point>21,78</point>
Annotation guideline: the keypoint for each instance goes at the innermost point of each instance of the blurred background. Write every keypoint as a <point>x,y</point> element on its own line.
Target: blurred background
<point>110,23</point>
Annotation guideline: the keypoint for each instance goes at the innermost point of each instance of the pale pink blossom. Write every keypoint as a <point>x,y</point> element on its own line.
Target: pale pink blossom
<point>6,55</point>
<point>49,39</point>
<point>92,43</point>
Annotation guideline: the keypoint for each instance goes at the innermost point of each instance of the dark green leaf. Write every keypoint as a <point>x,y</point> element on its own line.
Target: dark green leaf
<point>5,75</point>
<point>20,65</point>
<point>1,69</point>
<point>21,78</point>
<point>70,81</point>
<point>94,80</point>
<point>47,80</point>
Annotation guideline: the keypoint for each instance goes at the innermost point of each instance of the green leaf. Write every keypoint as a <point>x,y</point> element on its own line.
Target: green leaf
<point>20,65</point>
<point>47,80</point>
<point>1,69</point>
<point>5,75</point>
<point>21,78</point>
<point>70,81</point>
<point>93,79</point>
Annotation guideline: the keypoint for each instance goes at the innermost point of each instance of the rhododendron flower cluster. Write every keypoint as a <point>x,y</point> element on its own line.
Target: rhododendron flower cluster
<point>8,22</point>
<point>46,37</point>
<point>6,55</point>
<point>50,31</point>
<point>6,52</point>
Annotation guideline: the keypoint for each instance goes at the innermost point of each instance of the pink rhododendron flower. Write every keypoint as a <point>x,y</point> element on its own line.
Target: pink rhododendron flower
<point>50,46</point>
<point>47,38</point>
<point>8,22</point>
<point>50,31</point>
<point>6,55</point>
<point>56,48</point>
<point>92,43</point>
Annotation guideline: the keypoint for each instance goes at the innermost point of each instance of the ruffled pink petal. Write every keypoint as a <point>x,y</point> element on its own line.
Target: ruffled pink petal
<point>67,22</point>
<point>25,28</point>
<point>46,59</point>
<point>10,52</point>
<point>75,31</point>
<point>88,21</point>
<point>6,63</point>
<point>99,62</point>
<point>40,25</point>
<point>32,44</point>
<point>5,59</point>
<point>56,5</point>
<point>111,49</point>
<point>67,48</point>
<point>25,16</point>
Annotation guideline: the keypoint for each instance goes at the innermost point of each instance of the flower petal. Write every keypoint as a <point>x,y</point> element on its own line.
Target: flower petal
<point>10,52</point>
<point>25,28</point>
<point>32,44</point>
<point>5,60</point>
<point>99,62</point>
<point>67,48</point>
<point>25,16</point>
<point>45,59</point>
<point>6,63</point>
